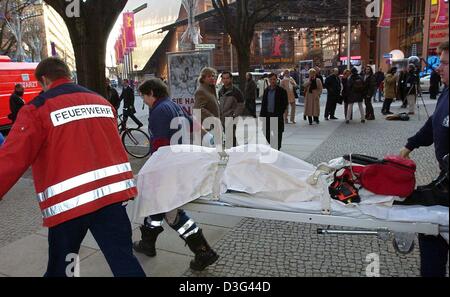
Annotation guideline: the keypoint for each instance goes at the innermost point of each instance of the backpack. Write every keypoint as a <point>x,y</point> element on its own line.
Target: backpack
<point>391,176</point>
<point>358,84</point>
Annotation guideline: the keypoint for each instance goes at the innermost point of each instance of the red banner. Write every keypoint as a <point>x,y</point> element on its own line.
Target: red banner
<point>116,50</point>
<point>121,48</point>
<point>129,31</point>
<point>386,14</point>
<point>442,12</point>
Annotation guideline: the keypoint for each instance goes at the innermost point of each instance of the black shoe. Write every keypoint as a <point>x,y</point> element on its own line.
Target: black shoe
<point>204,255</point>
<point>146,246</point>
<point>326,118</point>
<point>334,118</point>
<point>363,121</point>
<point>389,113</point>
<point>347,122</point>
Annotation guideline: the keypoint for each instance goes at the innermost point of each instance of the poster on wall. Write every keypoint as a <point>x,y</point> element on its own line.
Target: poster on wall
<point>277,47</point>
<point>184,70</point>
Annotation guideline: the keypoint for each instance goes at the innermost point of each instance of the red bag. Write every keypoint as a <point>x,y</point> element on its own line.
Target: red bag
<point>394,176</point>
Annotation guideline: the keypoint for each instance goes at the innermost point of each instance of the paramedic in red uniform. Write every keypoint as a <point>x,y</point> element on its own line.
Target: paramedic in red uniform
<point>81,172</point>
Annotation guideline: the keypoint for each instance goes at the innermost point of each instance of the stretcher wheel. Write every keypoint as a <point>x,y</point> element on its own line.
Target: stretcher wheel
<point>402,251</point>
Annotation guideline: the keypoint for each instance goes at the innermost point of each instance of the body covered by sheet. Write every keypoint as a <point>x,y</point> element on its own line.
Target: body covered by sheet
<point>269,179</point>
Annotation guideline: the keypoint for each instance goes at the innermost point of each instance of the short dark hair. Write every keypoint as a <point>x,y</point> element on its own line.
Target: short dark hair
<point>155,87</point>
<point>227,72</point>
<point>52,68</point>
<point>18,86</point>
<point>443,47</point>
<point>272,75</point>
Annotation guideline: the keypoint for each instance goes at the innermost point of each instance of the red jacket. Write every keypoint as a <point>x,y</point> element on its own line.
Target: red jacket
<point>69,136</point>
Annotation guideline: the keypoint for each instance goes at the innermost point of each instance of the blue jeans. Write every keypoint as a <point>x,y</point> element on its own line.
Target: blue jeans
<point>433,256</point>
<point>110,227</point>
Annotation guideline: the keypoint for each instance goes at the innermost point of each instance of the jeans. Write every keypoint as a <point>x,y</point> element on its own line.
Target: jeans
<point>110,227</point>
<point>350,111</point>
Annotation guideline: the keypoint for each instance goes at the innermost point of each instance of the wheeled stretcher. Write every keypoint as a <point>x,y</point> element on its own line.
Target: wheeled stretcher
<point>258,182</point>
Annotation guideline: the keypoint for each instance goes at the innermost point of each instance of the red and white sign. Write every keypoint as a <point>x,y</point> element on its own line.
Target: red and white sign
<point>386,15</point>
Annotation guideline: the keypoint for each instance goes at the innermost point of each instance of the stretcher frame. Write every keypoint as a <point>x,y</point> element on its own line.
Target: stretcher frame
<point>403,233</point>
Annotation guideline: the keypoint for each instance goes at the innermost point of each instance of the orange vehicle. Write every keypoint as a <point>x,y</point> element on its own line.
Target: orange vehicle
<point>12,73</point>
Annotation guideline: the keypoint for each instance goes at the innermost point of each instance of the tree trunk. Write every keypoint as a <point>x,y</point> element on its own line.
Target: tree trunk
<point>244,66</point>
<point>90,54</point>
<point>89,35</point>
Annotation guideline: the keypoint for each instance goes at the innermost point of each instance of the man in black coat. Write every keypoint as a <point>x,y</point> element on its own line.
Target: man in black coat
<point>16,102</point>
<point>274,105</point>
<point>250,95</point>
<point>333,86</point>
<point>128,104</point>
<point>112,95</point>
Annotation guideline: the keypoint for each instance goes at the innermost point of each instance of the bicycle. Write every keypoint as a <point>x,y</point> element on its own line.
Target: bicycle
<point>135,141</point>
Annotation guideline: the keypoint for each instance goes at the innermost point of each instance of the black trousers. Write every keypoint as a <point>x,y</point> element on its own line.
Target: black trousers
<point>110,227</point>
<point>387,105</point>
<point>370,113</point>
<point>134,118</point>
<point>330,108</point>
<point>271,131</point>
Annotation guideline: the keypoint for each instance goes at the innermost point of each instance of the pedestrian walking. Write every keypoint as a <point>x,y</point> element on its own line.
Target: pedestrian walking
<point>402,90</point>
<point>379,77</point>
<point>112,95</point>
<point>411,88</point>
<point>81,172</point>
<point>390,87</point>
<point>313,90</point>
<point>356,93</point>
<point>231,105</point>
<point>162,113</point>
<point>129,110</point>
<point>250,96</point>
<point>370,86</point>
<point>345,91</point>
<point>274,104</point>
<point>289,85</point>
<point>16,102</point>
<point>205,95</point>
<point>334,89</point>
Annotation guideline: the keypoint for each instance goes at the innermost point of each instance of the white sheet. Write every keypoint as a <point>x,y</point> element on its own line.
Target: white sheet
<point>177,175</point>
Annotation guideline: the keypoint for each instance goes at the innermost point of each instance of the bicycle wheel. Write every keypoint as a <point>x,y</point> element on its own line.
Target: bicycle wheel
<point>136,143</point>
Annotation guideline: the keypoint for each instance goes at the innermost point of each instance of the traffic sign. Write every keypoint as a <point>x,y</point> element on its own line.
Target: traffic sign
<point>205,46</point>
<point>387,56</point>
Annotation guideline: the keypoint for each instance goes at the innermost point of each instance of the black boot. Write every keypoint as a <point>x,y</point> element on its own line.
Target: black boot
<point>147,244</point>
<point>204,255</point>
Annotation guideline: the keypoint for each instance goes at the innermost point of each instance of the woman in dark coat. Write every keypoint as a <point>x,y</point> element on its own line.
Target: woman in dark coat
<point>370,83</point>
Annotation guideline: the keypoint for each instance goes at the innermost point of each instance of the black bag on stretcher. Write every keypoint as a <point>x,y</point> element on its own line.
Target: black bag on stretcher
<point>391,176</point>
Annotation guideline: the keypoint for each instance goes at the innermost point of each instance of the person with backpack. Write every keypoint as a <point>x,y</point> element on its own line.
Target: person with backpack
<point>356,92</point>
